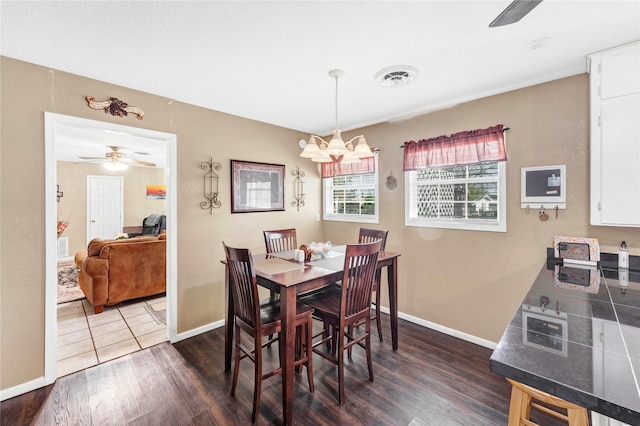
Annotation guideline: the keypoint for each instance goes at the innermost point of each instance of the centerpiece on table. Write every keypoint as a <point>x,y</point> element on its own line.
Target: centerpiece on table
<point>315,251</point>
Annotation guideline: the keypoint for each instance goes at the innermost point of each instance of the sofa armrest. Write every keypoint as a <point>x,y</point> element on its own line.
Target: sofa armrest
<point>80,258</point>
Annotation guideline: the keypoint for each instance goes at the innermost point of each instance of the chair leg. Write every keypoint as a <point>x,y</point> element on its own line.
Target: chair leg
<point>340,355</point>
<point>519,407</point>
<point>308,332</point>
<point>367,341</point>
<point>257,385</point>
<point>298,347</point>
<point>236,366</point>
<point>378,321</point>
<point>325,333</point>
<point>578,416</point>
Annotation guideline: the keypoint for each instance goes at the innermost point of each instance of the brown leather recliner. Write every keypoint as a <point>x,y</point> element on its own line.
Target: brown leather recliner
<point>112,271</point>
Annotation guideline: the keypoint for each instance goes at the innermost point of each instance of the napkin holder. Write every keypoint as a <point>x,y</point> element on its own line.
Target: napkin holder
<point>577,250</point>
<point>307,252</point>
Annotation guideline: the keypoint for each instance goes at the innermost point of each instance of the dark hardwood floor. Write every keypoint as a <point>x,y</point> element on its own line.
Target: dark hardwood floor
<point>433,379</point>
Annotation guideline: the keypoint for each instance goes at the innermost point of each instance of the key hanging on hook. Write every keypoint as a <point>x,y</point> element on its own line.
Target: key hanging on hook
<point>542,215</point>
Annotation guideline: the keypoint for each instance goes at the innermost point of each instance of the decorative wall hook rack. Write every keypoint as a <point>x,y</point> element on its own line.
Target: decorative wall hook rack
<point>542,214</point>
<point>298,188</point>
<point>210,185</point>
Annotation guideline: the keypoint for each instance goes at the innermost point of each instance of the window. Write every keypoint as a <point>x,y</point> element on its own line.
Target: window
<point>457,181</point>
<point>352,198</point>
<point>459,197</point>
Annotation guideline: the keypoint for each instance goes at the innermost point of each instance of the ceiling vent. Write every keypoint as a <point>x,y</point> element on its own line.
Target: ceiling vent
<point>396,76</point>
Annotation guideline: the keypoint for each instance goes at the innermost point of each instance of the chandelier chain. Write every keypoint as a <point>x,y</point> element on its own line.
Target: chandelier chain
<point>336,101</point>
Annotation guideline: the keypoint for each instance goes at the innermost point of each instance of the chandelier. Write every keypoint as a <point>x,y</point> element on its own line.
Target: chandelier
<point>321,151</point>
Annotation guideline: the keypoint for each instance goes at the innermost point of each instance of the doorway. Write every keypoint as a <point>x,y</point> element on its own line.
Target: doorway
<point>57,128</point>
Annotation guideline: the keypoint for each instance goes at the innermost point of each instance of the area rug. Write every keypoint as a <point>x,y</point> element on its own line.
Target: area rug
<point>68,288</point>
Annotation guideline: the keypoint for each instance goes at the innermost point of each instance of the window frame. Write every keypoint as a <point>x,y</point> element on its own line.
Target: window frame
<point>327,201</point>
<point>498,225</point>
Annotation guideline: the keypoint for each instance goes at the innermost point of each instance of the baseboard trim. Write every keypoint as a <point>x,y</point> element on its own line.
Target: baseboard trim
<point>23,388</point>
<point>442,329</point>
<point>419,321</point>
<point>195,331</point>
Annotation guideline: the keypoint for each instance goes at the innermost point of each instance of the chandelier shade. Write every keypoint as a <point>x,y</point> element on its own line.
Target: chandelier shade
<point>336,150</point>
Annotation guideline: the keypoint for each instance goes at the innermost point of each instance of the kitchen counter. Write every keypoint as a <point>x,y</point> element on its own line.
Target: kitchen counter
<point>577,336</point>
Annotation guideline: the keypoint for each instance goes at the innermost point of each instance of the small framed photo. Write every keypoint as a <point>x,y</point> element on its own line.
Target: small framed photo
<point>543,186</point>
<point>256,187</point>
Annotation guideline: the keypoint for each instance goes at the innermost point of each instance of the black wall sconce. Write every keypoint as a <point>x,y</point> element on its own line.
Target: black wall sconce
<point>298,188</point>
<point>211,185</point>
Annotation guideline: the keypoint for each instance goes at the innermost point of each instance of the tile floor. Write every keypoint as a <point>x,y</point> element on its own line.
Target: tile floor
<point>86,339</point>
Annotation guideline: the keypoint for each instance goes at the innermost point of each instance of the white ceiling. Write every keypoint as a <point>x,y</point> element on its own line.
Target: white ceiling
<point>269,61</point>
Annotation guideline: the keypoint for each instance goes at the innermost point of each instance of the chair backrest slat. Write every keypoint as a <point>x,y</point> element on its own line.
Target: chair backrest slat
<point>243,284</point>
<point>369,235</point>
<point>360,265</point>
<point>280,240</point>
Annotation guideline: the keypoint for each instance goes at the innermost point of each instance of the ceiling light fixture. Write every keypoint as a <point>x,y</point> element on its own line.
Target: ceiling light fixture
<point>115,165</point>
<point>321,151</point>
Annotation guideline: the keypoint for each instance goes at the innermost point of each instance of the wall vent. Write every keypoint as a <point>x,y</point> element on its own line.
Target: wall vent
<point>63,247</point>
<point>396,76</point>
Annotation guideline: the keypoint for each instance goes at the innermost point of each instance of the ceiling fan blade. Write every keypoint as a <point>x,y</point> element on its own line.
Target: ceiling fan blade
<point>144,163</point>
<point>514,12</point>
<point>141,163</point>
<point>93,158</point>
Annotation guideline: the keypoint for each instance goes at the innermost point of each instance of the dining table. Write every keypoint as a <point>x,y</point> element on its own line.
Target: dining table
<point>282,274</point>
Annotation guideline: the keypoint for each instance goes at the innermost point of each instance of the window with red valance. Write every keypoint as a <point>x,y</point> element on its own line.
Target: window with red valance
<point>469,147</point>
<point>457,181</point>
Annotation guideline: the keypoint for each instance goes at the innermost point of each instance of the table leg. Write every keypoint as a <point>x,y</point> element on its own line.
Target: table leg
<point>287,350</point>
<point>228,322</point>
<point>392,280</point>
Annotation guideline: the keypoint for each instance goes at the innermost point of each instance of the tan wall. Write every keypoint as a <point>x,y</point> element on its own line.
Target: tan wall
<point>72,179</point>
<point>468,281</point>
<point>473,281</point>
<point>27,92</point>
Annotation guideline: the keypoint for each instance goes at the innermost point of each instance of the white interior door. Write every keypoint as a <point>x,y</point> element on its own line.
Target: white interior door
<point>104,207</point>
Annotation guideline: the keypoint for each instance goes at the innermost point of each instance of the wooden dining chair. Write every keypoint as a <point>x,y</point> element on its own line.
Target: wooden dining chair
<point>367,236</point>
<point>280,240</point>
<point>340,307</point>
<point>259,320</point>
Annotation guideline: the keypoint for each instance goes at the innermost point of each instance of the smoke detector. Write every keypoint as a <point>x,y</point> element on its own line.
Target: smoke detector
<point>396,76</point>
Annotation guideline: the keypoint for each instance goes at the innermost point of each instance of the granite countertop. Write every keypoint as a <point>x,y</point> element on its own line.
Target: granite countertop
<point>577,336</point>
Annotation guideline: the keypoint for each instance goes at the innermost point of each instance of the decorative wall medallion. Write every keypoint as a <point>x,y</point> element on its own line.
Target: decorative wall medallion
<point>114,106</point>
<point>392,183</point>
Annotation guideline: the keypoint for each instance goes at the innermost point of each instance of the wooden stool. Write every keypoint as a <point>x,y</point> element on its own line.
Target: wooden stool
<point>522,397</point>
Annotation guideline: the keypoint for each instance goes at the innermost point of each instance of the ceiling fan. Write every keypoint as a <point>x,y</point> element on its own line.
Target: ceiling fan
<point>116,160</point>
<point>514,12</point>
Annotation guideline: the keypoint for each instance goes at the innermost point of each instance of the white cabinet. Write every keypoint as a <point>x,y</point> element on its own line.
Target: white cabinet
<point>615,136</point>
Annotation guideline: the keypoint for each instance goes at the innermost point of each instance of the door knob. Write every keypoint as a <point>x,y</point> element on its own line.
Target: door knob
<point>93,221</point>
